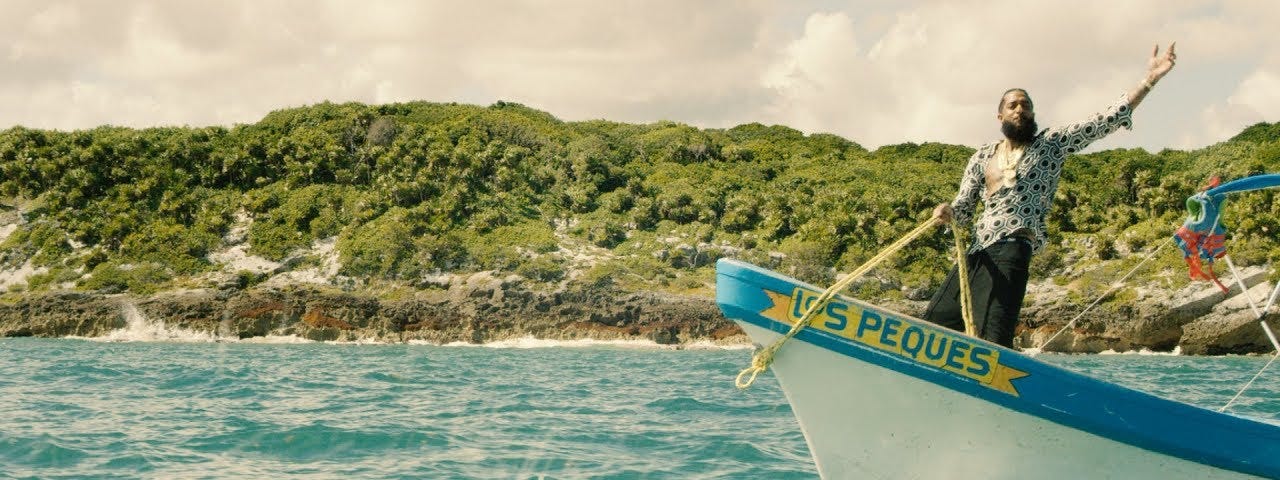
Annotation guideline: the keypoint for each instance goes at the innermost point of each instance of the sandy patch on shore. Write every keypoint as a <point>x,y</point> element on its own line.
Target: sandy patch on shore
<point>236,259</point>
<point>325,273</point>
<point>7,230</point>
<point>19,276</point>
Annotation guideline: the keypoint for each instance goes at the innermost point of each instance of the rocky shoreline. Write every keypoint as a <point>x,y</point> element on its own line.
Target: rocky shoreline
<point>1197,320</point>
<point>476,309</point>
<point>482,308</point>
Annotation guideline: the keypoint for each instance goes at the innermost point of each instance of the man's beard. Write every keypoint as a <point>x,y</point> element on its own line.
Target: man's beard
<point>1021,134</point>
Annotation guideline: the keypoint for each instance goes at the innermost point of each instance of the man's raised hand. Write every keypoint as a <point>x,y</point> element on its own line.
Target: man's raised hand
<point>1159,65</point>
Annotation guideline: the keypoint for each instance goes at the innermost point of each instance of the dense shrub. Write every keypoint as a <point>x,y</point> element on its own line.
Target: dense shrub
<point>414,188</point>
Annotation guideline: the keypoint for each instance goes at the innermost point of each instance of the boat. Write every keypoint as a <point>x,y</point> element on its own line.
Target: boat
<point>880,394</point>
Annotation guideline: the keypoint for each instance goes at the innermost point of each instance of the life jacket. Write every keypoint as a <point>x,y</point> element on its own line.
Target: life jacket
<point>1202,237</point>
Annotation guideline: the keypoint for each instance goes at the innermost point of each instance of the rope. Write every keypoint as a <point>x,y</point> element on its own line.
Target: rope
<point>1246,386</point>
<point>1104,295</point>
<point>966,295</point>
<point>1261,314</point>
<point>762,359</point>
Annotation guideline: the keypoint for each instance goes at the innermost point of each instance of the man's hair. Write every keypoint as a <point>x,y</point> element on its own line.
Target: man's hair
<point>1011,90</point>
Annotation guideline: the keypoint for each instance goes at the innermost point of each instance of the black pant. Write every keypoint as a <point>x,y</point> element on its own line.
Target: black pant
<point>998,281</point>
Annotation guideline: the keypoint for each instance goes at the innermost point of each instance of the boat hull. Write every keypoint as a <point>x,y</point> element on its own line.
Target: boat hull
<point>879,394</point>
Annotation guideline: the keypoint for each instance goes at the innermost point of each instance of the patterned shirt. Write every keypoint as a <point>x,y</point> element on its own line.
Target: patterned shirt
<point>1024,205</point>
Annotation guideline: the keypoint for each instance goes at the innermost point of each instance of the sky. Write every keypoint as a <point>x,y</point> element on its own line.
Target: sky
<point>877,72</point>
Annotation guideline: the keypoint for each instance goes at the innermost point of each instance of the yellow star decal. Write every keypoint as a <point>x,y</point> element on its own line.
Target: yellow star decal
<point>780,310</point>
<point>1004,377</point>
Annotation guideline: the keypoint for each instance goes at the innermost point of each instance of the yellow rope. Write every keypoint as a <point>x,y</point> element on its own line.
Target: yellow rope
<point>966,296</point>
<point>762,359</point>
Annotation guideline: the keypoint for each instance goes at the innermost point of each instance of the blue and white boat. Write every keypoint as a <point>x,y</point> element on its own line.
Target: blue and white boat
<point>880,394</point>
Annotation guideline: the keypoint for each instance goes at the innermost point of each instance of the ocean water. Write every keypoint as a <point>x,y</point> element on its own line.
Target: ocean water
<point>76,408</point>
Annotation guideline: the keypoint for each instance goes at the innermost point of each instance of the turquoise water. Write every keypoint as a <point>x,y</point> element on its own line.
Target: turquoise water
<point>78,408</point>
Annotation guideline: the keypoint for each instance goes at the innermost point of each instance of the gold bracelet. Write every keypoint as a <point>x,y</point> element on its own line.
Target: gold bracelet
<point>1148,84</point>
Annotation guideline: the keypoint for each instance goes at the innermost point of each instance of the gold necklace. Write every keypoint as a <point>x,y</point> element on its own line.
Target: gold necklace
<point>1007,159</point>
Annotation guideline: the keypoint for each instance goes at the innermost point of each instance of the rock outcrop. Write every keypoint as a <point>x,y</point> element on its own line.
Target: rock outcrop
<point>475,309</point>
<point>61,314</point>
<point>1200,319</point>
<point>483,307</point>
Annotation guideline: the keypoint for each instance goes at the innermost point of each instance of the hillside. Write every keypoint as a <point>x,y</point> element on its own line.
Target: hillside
<point>388,201</point>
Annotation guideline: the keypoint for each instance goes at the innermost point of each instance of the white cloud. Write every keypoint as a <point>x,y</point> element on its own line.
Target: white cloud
<point>936,72</point>
<point>877,72</point>
<point>1255,99</point>
<point>1259,91</point>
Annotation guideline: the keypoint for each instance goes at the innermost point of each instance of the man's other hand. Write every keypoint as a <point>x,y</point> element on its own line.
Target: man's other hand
<point>943,212</point>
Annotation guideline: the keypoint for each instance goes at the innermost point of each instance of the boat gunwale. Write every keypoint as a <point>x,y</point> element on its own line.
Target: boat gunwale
<point>1051,403</point>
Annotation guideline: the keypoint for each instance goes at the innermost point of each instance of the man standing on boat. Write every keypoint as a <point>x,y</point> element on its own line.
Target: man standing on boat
<point>1015,178</point>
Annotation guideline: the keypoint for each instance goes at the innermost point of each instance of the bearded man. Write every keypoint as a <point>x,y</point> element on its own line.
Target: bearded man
<point>1015,179</point>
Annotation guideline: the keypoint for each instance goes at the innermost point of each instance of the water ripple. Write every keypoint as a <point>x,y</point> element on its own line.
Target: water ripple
<point>79,409</point>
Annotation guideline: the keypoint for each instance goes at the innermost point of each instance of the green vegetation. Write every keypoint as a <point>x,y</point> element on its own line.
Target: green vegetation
<point>417,188</point>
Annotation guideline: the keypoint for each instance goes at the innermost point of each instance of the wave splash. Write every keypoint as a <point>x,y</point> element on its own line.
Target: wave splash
<point>139,328</point>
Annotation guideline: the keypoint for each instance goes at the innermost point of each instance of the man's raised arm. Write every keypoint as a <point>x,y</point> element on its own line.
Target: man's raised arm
<point>1157,67</point>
